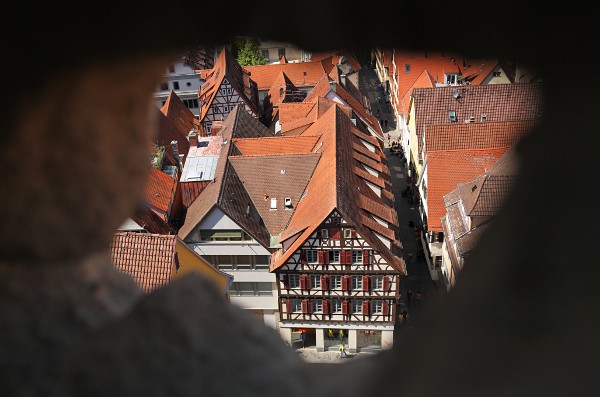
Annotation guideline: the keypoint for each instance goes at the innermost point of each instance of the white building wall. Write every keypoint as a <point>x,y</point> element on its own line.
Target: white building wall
<point>188,81</point>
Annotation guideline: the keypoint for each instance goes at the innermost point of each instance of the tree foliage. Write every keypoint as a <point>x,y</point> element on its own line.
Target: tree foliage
<point>246,51</point>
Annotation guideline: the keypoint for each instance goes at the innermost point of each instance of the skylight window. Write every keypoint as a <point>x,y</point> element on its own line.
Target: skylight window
<point>273,203</point>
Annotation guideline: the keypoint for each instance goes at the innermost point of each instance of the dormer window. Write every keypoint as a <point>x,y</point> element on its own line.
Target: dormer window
<point>273,203</point>
<point>451,78</point>
<point>452,116</point>
<point>288,202</point>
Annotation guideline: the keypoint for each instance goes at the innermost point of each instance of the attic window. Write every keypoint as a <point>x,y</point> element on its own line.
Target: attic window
<point>407,68</point>
<point>496,74</point>
<point>473,188</point>
<point>304,73</point>
<point>288,202</point>
<point>452,116</point>
<point>273,203</point>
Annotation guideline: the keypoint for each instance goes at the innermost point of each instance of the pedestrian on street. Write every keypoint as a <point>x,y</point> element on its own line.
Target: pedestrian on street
<point>342,349</point>
<point>341,335</point>
<point>330,334</point>
<point>418,297</point>
<point>409,297</point>
<point>303,337</point>
<point>404,314</point>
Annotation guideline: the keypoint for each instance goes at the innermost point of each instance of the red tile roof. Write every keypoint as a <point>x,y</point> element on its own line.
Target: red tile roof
<point>148,258</point>
<point>176,111</point>
<point>292,111</point>
<point>226,67</point>
<point>498,102</point>
<point>301,74</point>
<point>446,169</point>
<point>160,191</point>
<point>168,132</point>
<point>336,56</point>
<point>275,145</point>
<point>337,184</point>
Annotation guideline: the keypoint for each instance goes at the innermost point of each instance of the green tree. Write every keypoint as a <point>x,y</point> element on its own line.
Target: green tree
<point>246,51</point>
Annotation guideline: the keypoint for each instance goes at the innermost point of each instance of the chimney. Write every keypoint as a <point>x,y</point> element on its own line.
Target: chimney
<point>216,127</point>
<point>193,138</point>
<point>175,152</point>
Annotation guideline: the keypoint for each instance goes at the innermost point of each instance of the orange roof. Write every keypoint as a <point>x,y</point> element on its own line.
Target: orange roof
<point>425,80</point>
<point>295,110</point>
<point>338,184</point>
<point>179,114</point>
<point>477,73</point>
<point>226,67</point>
<point>160,191</point>
<point>301,74</point>
<point>446,169</point>
<point>335,58</point>
<point>168,132</point>
<point>148,258</point>
<point>275,145</point>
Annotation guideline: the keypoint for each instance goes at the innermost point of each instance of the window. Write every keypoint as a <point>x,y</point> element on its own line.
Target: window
<point>164,86</point>
<point>324,234</point>
<point>171,68</point>
<point>377,307</point>
<point>315,281</point>
<point>357,307</point>
<point>336,306</point>
<point>356,282</point>
<point>294,280</point>
<point>224,235</point>
<point>452,116</point>
<point>188,84</point>
<point>496,74</point>
<point>224,262</point>
<point>357,256</point>
<point>208,128</point>
<point>296,305</point>
<point>264,289</point>
<point>243,262</point>
<point>407,68</point>
<point>281,53</point>
<point>273,203</point>
<point>334,256</point>
<point>311,256</point>
<point>246,289</point>
<point>438,261</point>
<point>191,103</point>
<point>451,79</point>
<point>347,233</point>
<point>336,282</point>
<point>265,54</point>
<point>317,305</point>
<point>176,85</point>
<point>377,282</point>
<point>262,262</point>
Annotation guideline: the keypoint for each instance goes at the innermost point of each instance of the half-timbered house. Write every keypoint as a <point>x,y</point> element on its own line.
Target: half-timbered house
<point>225,86</point>
<point>339,266</point>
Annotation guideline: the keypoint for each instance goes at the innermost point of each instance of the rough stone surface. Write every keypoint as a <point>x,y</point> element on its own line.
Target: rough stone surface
<point>520,321</point>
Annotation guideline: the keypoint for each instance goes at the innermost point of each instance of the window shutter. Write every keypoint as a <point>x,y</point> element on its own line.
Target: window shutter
<point>286,281</point>
<point>366,283</point>
<point>346,284</point>
<point>353,233</point>
<point>325,286</point>
<point>348,257</point>
<point>386,283</point>
<point>308,283</point>
<point>321,257</point>
<point>288,305</point>
<point>366,257</point>
<point>346,308</point>
<point>306,306</point>
<point>386,308</point>
<point>366,308</point>
<point>303,282</point>
<point>326,307</point>
<point>303,257</point>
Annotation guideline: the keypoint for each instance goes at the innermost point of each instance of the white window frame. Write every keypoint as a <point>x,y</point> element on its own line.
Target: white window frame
<point>336,282</point>
<point>334,256</point>
<point>315,281</point>
<point>357,257</point>
<point>294,280</point>
<point>311,256</point>
<point>324,234</point>
<point>357,282</point>
<point>377,282</point>
<point>347,233</point>
<point>317,306</point>
<point>336,305</point>
<point>377,306</point>
<point>296,305</point>
<point>357,306</point>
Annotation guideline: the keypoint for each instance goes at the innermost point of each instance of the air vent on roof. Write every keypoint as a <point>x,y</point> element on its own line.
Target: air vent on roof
<point>471,119</point>
<point>474,188</point>
<point>282,172</point>
<point>483,117</point>
<point>456,94</point>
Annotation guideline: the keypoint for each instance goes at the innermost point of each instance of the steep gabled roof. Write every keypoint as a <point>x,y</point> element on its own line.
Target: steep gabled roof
<point>478,71</point>
<point>226,67</point>
<point>301,74</point>
<point>340,57</point>
<point>151,222</point>
<point>276,176</point>
<point>425,80</point>
<point>337,184</point>
<point>148,258</point>
<point>160,191</point>
<point>448,168</point>
<point>498,102</point>
<point>168,132</point>
<point>281,91</point>
<point>227,191</point>
<point>176,111</point>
